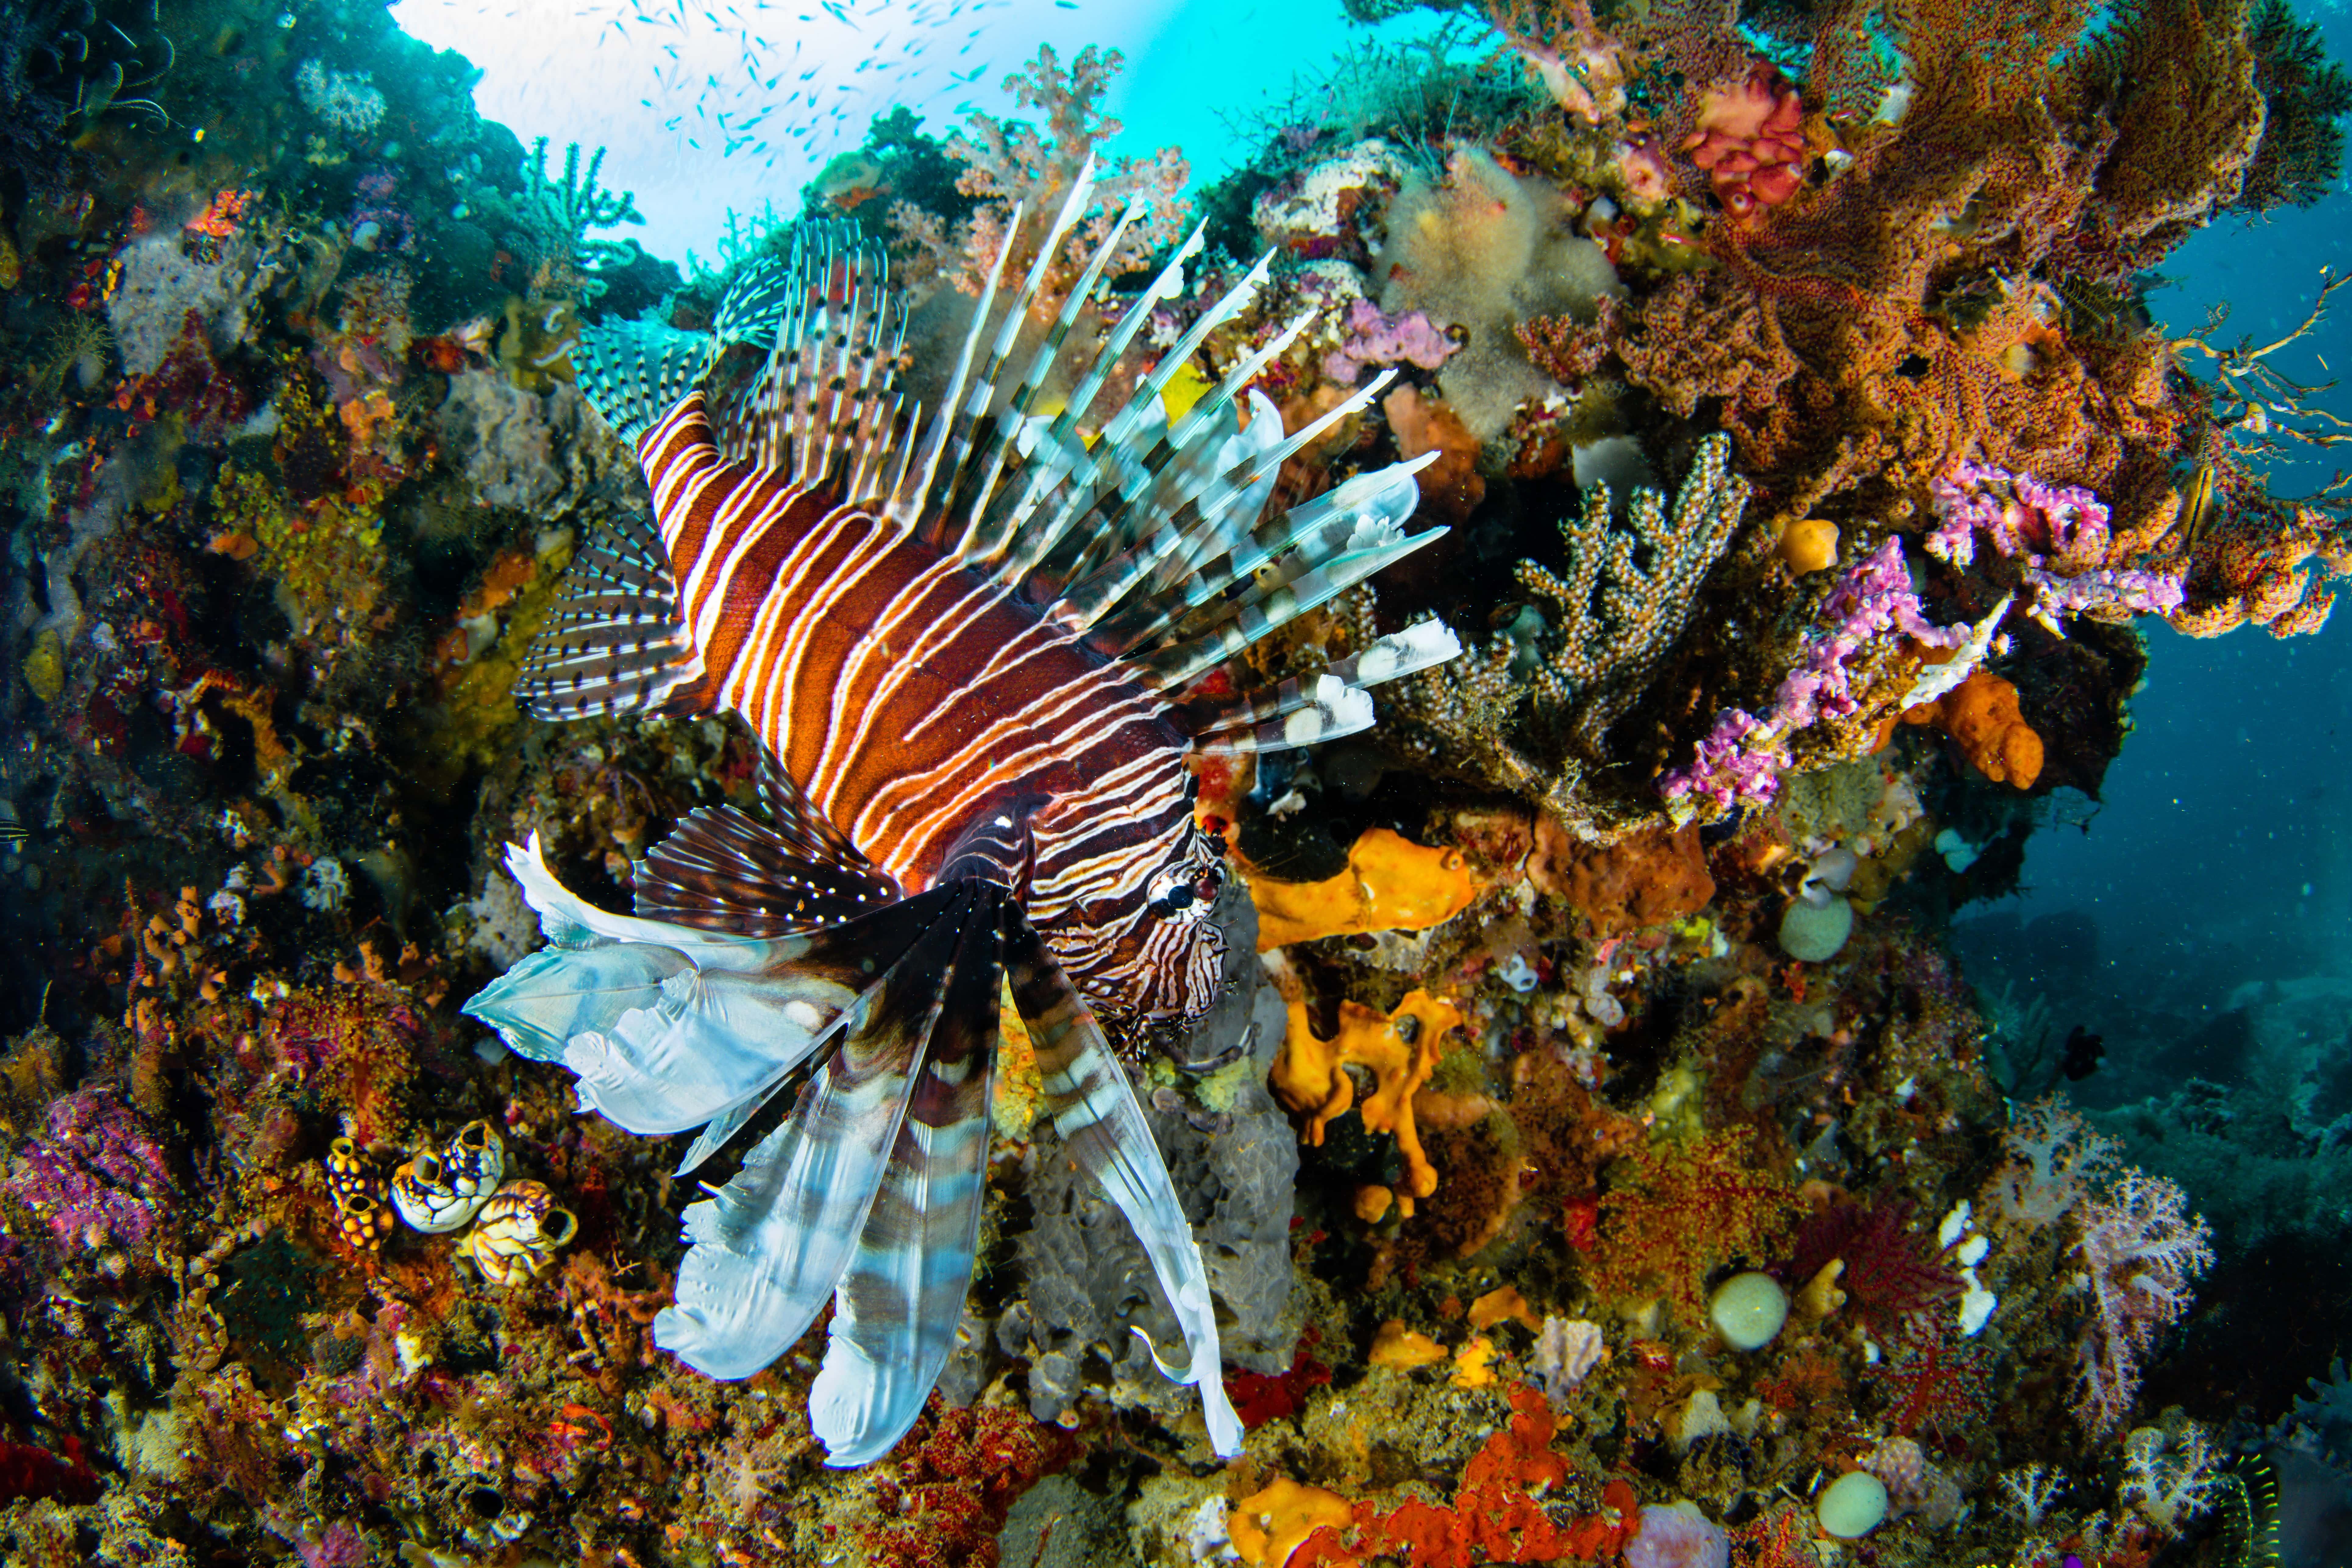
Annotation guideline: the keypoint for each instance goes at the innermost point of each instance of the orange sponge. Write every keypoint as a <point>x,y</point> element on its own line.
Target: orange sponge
<point>1391,884</point>
<point>1310,1074</point>
<point>1982,717</point>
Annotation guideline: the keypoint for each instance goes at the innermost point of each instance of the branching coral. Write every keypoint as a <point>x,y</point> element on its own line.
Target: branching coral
<point>1613,618</point>
<point>2139,1249</point>
<point>564,210</point>
<point>1674,1215</point>
<point>2305,94</point>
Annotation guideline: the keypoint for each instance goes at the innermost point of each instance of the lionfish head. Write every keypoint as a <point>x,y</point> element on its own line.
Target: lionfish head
<point>1148,955</point>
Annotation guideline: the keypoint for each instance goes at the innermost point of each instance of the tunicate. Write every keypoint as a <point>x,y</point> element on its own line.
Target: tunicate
<point>1814,934</point>
<point>1747,1311</point>
<point>1852,1505</point>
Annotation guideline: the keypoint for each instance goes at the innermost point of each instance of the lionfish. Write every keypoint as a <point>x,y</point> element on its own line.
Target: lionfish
<point>977,651</point>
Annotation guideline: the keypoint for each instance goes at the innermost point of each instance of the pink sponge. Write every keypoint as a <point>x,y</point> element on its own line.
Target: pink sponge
<point>1676,1535</point>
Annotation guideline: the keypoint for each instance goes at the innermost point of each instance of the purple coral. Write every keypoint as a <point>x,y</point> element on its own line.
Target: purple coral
<point>95,1174</point>
<point>2138,1249</point>
<point>1373,338</point>
<point>1742,758</point>
<point>2058,533</point>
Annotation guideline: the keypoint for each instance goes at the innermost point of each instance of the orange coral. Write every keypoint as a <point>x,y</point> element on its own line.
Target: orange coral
<point>1391,884</point>
<point>1450,486</point>
<point>1674,1215</point>
<point>1498,1516</point>
<point>1982,717</point>
<point>1310,1074</point>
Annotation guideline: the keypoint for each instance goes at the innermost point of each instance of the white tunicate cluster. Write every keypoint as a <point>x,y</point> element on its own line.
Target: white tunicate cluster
<point>227,907</point>
<point>1518,973</point>
<point>344,100</point>
<point>325,886</point>
<point>1598,1005</point>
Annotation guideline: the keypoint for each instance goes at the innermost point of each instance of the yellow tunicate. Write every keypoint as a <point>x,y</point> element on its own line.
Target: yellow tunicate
<point>1502,1305</point>
<point>1474,1365</point>
<point>1398,1346</point>
<point>1809,545</point>
<point>1266,1526</point>
<point>1185,388</point>
<point>45,667</point>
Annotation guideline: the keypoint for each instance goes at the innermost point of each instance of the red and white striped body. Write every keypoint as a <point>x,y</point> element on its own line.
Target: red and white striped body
<point>914,701</point>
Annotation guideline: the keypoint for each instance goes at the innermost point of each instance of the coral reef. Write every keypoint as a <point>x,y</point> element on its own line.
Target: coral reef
<point>1790,381</point>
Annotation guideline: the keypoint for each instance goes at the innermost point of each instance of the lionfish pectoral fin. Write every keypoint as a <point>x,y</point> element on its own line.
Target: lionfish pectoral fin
<point>722,869</point>
<point>1093,1106</point>
<point>897,1308</point>
<point>613,642</point>
<point>770,1246</point>
<point>634,373</point>
<point>664,1026</point>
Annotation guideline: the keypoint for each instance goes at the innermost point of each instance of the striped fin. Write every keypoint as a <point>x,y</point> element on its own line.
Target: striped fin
<point>1336,542</point>
<point>756,301</point>
<point>1305,710</point>
<point>665,1026</point>
<point>613,643</point>
<point>1093,1108</point>
<point>897,1310</point>
<point>722,871</point>
<point>826,409</point>
<point>767,1249</point>
<point>634,373</point>
<point>796,818</point>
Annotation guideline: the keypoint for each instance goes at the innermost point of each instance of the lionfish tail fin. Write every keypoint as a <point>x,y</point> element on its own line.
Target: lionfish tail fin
<point>613,642</point>
<point>1093,1108</point>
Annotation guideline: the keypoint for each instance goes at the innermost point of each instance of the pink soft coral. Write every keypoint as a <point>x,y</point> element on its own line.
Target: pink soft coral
<point>1750,140</point>
<point>1010,165</point>
<point>2138,1247</point>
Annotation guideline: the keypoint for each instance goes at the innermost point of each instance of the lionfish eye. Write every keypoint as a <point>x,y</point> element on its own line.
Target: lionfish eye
<point>1166,894</point>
